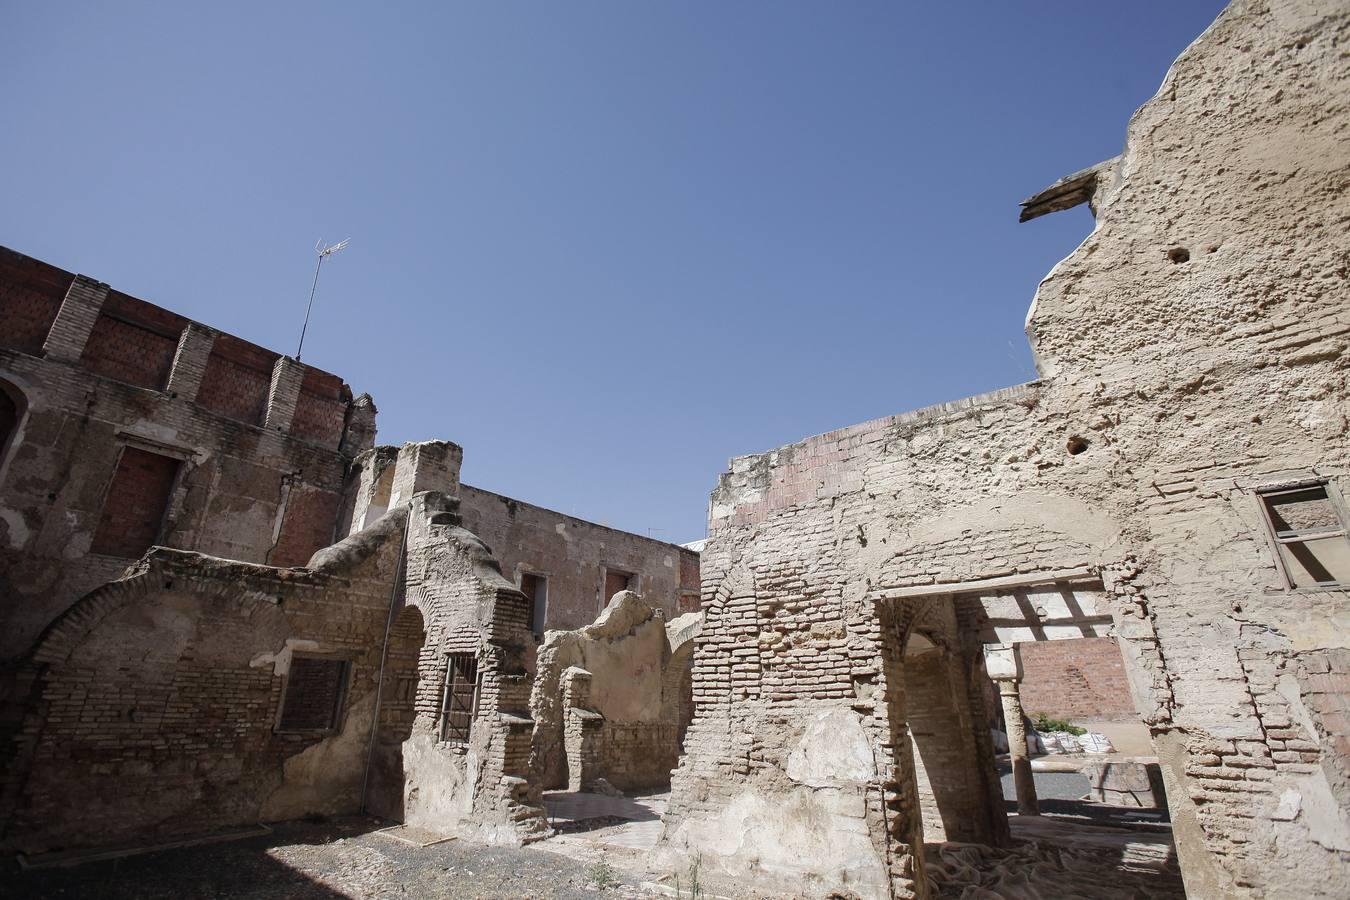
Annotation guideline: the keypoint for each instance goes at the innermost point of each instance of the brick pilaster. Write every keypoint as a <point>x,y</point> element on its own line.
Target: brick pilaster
<point>75,320</point>
<point>284,394</point>
<point>426,466</point>
<point>189,362</point>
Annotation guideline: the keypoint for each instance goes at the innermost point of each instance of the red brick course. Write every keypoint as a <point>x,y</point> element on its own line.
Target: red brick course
<point>30,296</point>
<point>238,375</point>
<point>1076,679</point>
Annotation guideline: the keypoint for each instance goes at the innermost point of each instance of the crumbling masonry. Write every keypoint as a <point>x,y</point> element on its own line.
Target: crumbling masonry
<point>1173,477</point>
<point>223,604</point>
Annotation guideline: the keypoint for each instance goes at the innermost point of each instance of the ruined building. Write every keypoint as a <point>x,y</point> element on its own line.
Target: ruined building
<point>222,604</point>
<point>1175,477</point>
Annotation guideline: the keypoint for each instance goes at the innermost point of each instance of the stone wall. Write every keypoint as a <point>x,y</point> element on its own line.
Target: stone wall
<point>574,555</point>
<point>257,473</point>
<point>1192,351</point>
<point>623,681</point>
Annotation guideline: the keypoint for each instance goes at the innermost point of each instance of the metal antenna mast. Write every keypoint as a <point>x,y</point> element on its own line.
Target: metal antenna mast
<point>324,253</point>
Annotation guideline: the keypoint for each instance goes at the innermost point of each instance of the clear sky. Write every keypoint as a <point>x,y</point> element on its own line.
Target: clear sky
<point>605,246</point>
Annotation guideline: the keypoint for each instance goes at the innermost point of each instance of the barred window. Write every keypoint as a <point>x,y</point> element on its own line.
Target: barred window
<point>315,689</point>
<point>460,698</point>
<point>1307,526</point>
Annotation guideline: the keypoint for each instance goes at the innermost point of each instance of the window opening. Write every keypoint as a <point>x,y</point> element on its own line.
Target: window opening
<point>535,589</point>
<point>136,503</point>
<point>1307,525</point>
<point>459,701</point>
<point>315,688</point>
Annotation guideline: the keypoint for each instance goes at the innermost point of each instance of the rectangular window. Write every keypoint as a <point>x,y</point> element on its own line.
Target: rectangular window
<point>1307,525</point>
<point>535,589</point>
<point>315,689</point>
<point>137,499</point>
<point>616,581</point>
<point>460,699</point>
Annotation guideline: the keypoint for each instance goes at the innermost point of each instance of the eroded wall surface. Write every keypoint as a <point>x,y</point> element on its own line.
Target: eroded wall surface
<point>239,452</point>
<point>574,558</point>
<point>574,555</point>
<point>637,670</point>
<point>1192,351</point>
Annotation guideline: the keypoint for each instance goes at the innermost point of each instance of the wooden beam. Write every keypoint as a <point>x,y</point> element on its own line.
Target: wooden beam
<point>986,585</point>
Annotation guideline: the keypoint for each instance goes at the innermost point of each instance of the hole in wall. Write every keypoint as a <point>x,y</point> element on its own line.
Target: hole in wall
<point>1076,445</point>
<point>1179,255</point>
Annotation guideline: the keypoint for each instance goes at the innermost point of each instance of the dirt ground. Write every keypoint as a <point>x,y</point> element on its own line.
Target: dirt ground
<point>1054,857</point>
<point>342,858</point>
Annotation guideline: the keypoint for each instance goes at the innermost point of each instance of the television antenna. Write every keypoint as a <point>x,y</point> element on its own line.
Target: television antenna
<point>324,253</point>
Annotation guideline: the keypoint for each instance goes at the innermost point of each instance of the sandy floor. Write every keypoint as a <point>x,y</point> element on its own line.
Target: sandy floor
<point>602,848</point>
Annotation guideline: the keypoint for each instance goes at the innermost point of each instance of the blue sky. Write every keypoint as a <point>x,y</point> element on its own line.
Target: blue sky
<point>605,246</point>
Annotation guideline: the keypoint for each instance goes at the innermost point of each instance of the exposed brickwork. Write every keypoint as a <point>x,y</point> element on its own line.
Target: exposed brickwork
<point>136,503</point>
<point>306,526</point>
<point>1076,679</point>
<point>30,297</point>
<point>322,409</point>
<point>238,376</point>
<point>133,342</point>
<point>114,370</point>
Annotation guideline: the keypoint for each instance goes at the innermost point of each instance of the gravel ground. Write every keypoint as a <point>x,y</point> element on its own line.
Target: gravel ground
<point>342,858</point>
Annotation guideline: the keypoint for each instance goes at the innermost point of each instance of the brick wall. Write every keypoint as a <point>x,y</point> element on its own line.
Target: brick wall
<point>1076,679</point>
<point>322,410</point>
<point>237,379</point>
<point>133,342</point>
<point>573,553</point>
<point>30,297</point>
<point>134,507</point>
<point>307,525</point>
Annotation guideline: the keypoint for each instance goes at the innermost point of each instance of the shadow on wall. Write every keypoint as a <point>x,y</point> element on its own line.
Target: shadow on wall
<point>385,790</point>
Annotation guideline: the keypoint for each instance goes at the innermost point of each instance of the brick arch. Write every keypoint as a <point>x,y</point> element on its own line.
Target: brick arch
<point>76,624</point>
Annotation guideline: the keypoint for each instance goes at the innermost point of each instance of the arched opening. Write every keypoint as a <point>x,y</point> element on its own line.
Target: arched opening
<point>13,407</point>
<point>398,709</point>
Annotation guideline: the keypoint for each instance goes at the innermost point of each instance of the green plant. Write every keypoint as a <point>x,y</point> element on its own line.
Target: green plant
<point>602,875</point>
<point>1045,724</point>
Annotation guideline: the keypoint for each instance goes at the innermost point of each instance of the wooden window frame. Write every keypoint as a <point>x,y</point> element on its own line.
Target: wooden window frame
<point>448,733</point>
<point>1275,538</point>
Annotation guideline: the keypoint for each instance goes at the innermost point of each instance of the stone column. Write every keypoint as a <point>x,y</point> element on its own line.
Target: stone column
<point>75,320</point>
<point>1010,693</point>
<point>1004,665</point>
<point>189,362</point>
<point>284,394</point>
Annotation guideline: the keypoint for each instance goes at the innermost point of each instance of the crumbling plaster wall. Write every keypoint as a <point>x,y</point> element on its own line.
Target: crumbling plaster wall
<point>155,700</point>
<point>479,787</point>
<point>1181,381</point>
<point>635,659</point>
<point>573,553</point>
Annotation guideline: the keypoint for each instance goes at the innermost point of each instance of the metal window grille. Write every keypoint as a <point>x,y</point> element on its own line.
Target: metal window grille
<point>460,697</point>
